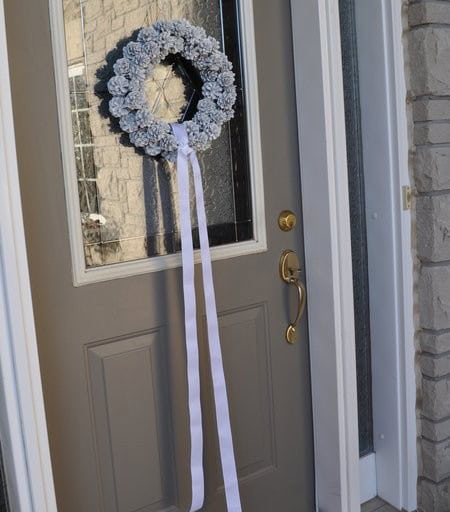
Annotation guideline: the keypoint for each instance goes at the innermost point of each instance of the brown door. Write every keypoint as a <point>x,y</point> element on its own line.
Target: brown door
<point>112,352</point>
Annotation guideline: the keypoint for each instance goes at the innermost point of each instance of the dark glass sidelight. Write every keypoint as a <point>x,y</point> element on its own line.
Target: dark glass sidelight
<point>128,201</point>
<point>358,223</point>
<point>4,505</point>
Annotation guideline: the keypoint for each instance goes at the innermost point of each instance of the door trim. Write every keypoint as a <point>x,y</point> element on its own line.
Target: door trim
<point>23,428</point>
<point>328,257</point>
<point>367,478</point>
<point>386,165</point>
<point>326,219</point>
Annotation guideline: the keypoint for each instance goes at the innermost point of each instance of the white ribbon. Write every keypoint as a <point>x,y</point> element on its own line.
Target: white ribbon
<point>186,153</point>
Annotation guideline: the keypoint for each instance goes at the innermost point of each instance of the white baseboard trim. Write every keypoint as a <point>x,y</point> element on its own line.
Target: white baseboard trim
<point>367,477</point>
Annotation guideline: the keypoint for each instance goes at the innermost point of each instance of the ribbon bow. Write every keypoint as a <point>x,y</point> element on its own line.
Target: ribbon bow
<point>186,153</point>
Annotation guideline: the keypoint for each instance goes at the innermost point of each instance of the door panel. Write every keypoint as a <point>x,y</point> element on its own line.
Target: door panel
<point>250,386</point>
<point>112,354</point>
<point>127,397</point>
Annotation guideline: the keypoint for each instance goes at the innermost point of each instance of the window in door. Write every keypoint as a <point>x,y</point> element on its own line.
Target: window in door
<point>83,143</point>
<point>126,204</point>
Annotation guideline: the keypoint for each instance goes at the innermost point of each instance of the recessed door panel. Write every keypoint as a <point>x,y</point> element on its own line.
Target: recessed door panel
<point>246,352</point>
<point>133,427</point>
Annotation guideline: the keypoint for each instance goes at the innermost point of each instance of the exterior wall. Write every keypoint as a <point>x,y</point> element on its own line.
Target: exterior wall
<point>429,89</point>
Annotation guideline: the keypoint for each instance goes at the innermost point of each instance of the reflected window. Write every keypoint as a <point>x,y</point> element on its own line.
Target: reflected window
<point>128,201</point>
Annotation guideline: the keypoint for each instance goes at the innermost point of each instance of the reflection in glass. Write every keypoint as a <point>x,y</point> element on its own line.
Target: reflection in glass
<point>128,201</point>
<point>171,92</point>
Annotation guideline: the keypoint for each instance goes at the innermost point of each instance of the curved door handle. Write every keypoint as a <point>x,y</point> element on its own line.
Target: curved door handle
<point>291,331</point>
<point>289,268</point>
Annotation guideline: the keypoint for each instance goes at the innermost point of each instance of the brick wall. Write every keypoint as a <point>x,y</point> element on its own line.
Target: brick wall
<point>429,64</point>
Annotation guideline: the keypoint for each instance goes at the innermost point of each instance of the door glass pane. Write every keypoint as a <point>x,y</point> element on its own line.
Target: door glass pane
<point>358,223</point>
<point>128,202</point>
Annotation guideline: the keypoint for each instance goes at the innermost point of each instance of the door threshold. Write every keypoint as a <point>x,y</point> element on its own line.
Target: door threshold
<point>377,505</point>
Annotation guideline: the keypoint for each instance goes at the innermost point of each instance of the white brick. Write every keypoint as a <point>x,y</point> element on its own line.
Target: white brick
<point>432,168</point>
<point>434,293</point>
<point>429,12</point>
<point>429,53</point>
<point>436,398</point>
<point>433,227</point>
<point>436,460</point>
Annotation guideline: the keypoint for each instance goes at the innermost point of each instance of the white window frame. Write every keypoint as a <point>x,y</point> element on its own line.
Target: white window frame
<point>392,472</point>
<point>83,275</point>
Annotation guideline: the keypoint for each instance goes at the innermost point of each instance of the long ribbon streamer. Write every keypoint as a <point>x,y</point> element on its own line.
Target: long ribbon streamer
<point>186,153</point>
<point>190,322</point>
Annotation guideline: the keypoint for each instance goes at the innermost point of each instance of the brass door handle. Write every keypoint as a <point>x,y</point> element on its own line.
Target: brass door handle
<point>289,268</point>
<point>291,331</point>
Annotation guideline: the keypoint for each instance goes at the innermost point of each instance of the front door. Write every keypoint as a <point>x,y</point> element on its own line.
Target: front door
<point>111,342</point>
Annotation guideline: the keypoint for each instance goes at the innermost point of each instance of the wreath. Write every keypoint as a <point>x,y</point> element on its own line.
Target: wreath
<point>129,102</point>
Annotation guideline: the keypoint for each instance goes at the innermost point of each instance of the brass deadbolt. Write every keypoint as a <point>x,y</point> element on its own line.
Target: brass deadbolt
<point>287,220</point>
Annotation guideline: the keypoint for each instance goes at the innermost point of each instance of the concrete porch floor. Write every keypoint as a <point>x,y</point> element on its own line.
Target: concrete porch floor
<point>377,505</point>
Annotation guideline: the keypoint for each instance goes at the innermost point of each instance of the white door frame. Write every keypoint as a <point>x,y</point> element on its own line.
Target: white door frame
<point>326,219</point>
<point>392,470</point>
<point>328,258</point>
<point>23,428</point>
<point>386,169</point>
